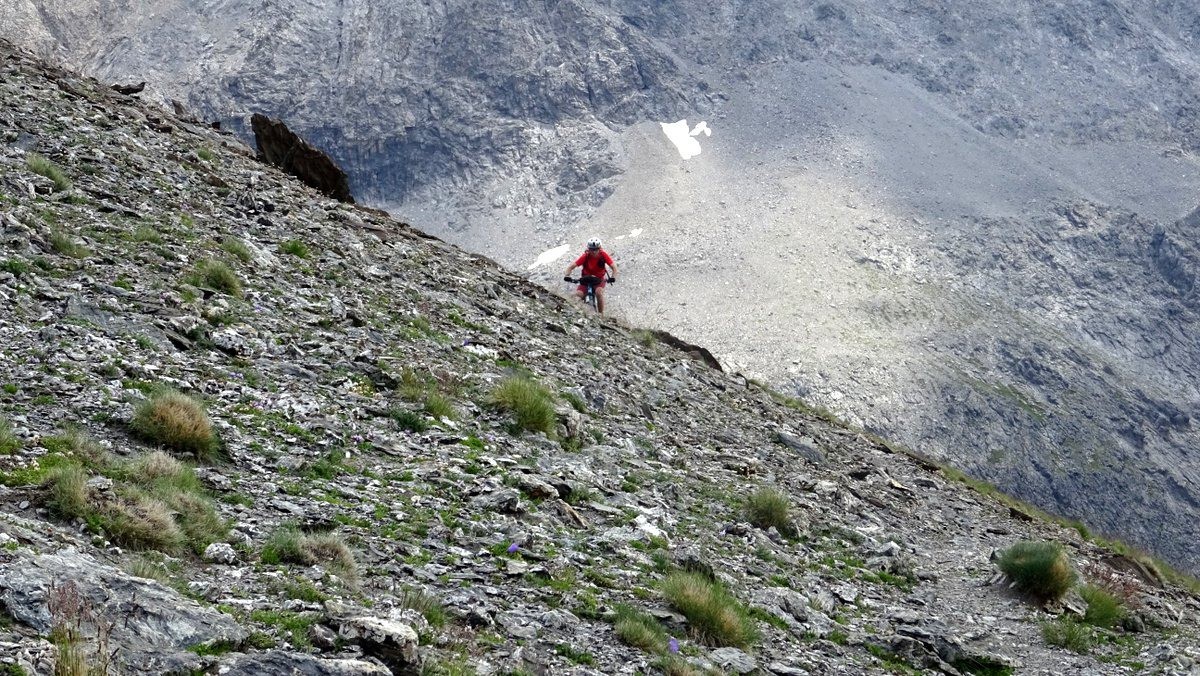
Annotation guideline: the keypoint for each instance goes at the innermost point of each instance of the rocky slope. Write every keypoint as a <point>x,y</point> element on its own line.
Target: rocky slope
<point>350,366</point>
<point>946,217</point>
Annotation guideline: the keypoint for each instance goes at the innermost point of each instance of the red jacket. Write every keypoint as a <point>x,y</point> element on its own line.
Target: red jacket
<point>593,263</point>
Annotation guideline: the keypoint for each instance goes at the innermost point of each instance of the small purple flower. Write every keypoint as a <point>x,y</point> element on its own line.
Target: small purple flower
<point>513,547</point>
<point>673,645</point>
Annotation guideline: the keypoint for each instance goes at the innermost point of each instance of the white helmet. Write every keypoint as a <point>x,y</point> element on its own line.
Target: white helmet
<point>593,243</point>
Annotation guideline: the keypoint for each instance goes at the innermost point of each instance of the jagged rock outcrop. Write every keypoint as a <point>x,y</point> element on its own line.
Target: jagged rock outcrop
<point>280,146</point>
<point>370,474</point>
<point>153,626</point>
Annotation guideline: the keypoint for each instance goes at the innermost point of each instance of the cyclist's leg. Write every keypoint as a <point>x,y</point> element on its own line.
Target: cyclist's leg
<point>580,292</point>
<point>600,299</point>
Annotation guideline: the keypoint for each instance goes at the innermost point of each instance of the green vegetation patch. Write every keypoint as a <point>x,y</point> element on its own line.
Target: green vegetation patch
<point>409,420</point>
<point>439,406</point>
<point>981,665</point>
<point>146,233</point>
<point>9,443</point>
<point>575,655</point>
<point>289,545</point>
<point>38,164</point>
<point>236,248</point>
<point>1103,608</point>
<point>769,507</point>
<point>66,245</point>
<point>425,603</point>
<point>215,275</point>
<point>15,266</point>
<point>640,630</point>
<point>714,616</point>
<point>531,405</point>
<point>1067,633</point>
<point>1040,569</point>
<point>293,626</point>
<point>295,247</point>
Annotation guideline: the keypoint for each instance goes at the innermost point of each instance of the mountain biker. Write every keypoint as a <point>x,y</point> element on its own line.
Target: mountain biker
<point>593,261</point>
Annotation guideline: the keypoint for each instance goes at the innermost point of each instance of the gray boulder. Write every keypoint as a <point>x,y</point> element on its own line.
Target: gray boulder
<point>152,626</point>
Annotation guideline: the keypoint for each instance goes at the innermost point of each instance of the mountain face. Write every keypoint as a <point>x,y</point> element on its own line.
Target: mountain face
<point>963,227</point>
<point>372,505</point>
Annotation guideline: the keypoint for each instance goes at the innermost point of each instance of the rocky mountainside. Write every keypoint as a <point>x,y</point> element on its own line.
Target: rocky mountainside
<point>958,225</point>
<point>378,500</point>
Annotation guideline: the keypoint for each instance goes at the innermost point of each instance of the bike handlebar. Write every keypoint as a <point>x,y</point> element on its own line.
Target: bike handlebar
<point>587,279</point>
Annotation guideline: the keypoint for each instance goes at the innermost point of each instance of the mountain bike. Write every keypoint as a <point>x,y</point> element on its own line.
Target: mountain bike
<point>591,282</point>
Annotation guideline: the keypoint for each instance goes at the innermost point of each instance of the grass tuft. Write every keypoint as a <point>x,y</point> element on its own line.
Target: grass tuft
<point>769,507</point>
<point>140,520</point>
<point>68,491</point>
<point>425,603</point>
<point>9,443</point>
<point>1103,608</point>
<point>153,502</point>
<point>531,405</point>
<point>40,165</point>
<point>640,630</point>
<point>289,545</point>
<point>439,406</point>
<point>409,420</point>
<point>146,233</point>
<point>714,616</point>
<point>215,275</point>
<point>64,244</point>
<point>295,247</point>
<point>177,422</point>
<point>236,248</point>
<point>1067,633</point>
<point>1040,569</point>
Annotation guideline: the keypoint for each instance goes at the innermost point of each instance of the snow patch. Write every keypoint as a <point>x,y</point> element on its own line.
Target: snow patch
<point>550,256</point>
<point>685,141</point>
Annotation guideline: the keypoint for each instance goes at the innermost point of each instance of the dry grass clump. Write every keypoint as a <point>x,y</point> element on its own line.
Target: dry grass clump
<point>68,491</point>
<point>531,405</point>
<point>289,545</point>
<point>177,422</point>
<point>1040,569</point>
<point>769,507</point>
<point>152,502</point>
<point>142,521</point>
<point>714,616</point>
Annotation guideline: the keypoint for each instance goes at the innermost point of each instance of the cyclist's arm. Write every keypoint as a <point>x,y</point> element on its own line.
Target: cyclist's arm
<point>570,269</point>
<point>608,259</point>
